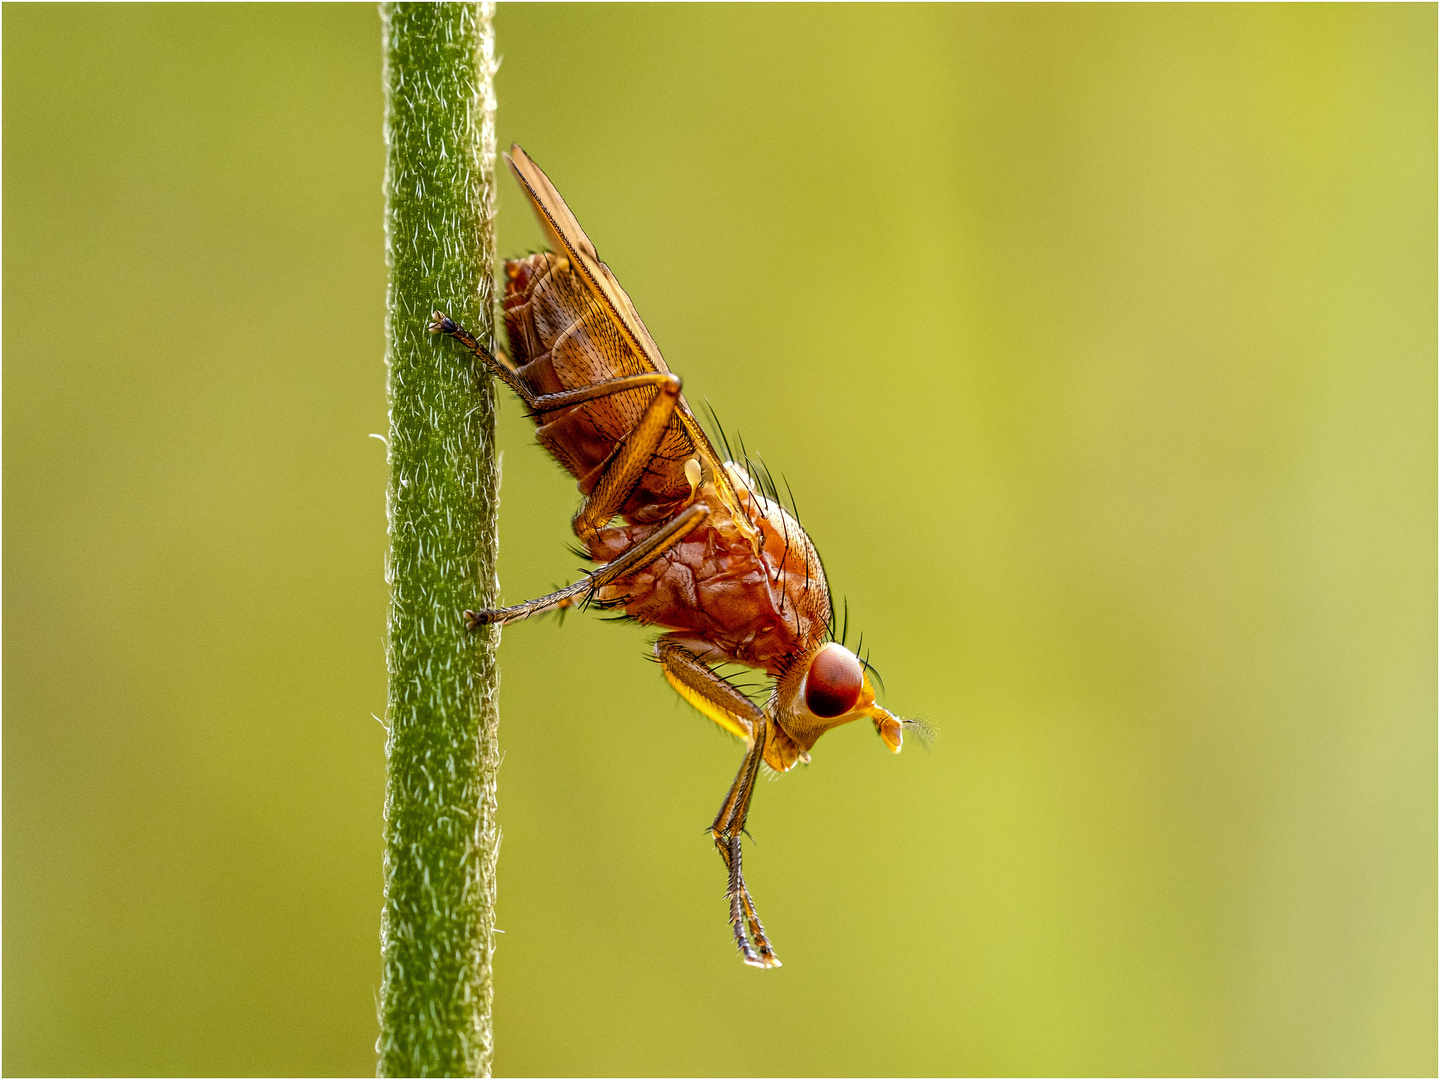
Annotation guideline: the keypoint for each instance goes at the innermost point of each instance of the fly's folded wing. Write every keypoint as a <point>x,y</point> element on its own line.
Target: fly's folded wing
<point>568,238</point>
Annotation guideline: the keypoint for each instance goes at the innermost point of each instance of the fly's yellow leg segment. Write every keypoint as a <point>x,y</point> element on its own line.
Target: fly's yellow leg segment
<point>637,558</point>
<point>712,694</point>
<point>626,463</point>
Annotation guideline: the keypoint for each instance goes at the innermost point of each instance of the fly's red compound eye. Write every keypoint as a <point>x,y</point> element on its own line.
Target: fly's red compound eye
<point>832,685</point>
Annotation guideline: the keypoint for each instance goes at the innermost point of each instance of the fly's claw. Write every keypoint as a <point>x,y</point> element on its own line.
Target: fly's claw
<point>760,955</point>
<point>476,619</point>
<point>440,323</point>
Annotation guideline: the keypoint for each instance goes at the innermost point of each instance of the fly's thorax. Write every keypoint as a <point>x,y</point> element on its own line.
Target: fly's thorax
<point>792,563</point>
<point>712,583</point>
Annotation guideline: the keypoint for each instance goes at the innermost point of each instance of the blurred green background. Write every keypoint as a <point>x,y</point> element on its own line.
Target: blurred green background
<point>1099,347</point>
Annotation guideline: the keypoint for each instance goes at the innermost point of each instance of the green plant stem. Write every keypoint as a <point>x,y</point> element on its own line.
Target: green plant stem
<point>441,838</point>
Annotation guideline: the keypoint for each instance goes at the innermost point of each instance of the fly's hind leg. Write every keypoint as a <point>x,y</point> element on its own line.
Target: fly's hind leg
<point>440,323</point>
<point>619,474</point>
<point>732,710</point>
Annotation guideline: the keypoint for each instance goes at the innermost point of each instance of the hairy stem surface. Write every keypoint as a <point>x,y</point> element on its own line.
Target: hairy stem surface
<point>441,837</point>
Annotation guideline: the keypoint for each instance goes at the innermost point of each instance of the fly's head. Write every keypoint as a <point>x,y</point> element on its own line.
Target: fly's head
<point>830,687</point>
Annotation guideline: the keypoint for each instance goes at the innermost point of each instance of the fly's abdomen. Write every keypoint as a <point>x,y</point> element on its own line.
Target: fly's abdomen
<point>562,339</point>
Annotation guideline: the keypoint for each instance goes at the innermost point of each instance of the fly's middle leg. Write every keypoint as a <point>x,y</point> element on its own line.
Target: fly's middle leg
<point>637,558</point>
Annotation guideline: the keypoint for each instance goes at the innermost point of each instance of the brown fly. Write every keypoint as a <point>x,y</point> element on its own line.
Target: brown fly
<point>685,540</point>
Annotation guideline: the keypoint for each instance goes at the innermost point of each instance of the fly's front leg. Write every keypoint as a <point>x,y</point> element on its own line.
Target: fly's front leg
<point>728,707</point>
<point>726,830</point>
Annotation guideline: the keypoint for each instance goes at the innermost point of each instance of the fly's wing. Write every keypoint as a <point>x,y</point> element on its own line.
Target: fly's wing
<point>567,237</point>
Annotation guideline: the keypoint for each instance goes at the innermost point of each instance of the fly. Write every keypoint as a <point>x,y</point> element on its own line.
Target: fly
<point>699,546</point>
